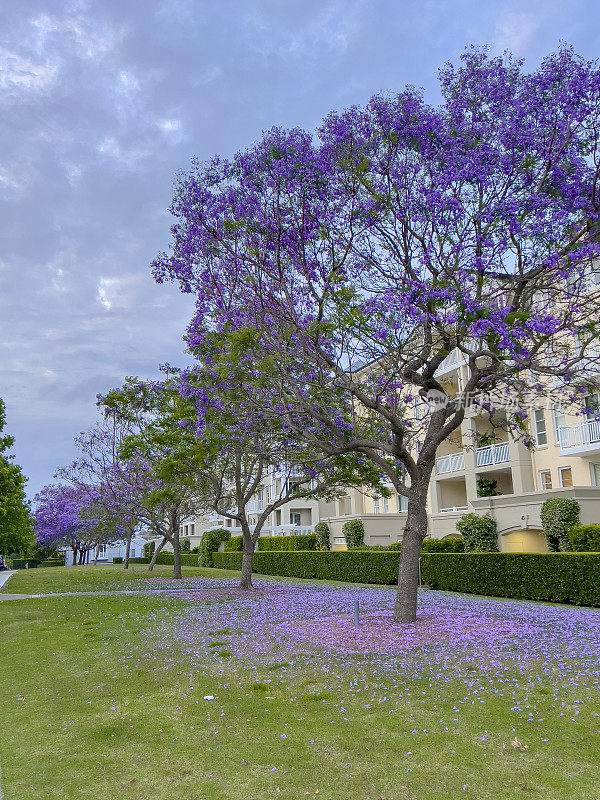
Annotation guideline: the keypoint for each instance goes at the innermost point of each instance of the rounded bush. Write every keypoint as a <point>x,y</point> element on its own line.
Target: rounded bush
<point>210,543</point>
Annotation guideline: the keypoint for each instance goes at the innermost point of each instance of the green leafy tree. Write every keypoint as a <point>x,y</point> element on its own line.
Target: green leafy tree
<point>16,526</point>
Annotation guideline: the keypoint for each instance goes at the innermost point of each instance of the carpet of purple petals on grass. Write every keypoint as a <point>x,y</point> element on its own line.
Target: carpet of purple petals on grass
<point>464,648</point>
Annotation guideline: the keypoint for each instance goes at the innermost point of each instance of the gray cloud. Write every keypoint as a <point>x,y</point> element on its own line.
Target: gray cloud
<point>101,102</point>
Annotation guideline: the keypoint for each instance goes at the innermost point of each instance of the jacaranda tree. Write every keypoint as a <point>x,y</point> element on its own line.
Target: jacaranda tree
<point>343,269</point>
<point>63,518</point>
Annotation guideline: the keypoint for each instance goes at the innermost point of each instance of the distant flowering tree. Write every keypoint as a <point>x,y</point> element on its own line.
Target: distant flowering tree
<point>62,518</point>
<point>334,276</point>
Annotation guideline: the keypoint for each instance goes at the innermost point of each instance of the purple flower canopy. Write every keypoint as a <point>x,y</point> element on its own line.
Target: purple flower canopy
<point>58,514</point>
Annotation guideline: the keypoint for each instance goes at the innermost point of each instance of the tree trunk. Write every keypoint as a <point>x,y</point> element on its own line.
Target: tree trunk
<point>155,554</point>
<point>246,579</point>
<point>127,549</point>
<point>75,554</point>
<point>405,607</point>
<point>176,553</point>
<point>96,554</point>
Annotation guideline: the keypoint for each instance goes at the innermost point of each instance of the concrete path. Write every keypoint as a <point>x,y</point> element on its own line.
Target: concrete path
<point>4,576</point>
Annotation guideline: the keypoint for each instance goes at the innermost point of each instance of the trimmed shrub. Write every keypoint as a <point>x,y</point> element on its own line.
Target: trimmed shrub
<point>52,562</point>
<point>21,563</point>
<point>551,577</point>
<point>300,542</point>
<point>351,566</point>
<point>211,541</point>
<point>322,535</point>
<point>449,545</point>
<point>354,533</point>
<point>479,533</point>
<point>118,560</point>
<point>234,545</point>
<point>185,545</point>
<point>584,538</point>
<point>149,549</point>
<point>559,515</point>
<point>139,560</point>
<point>187,559</point>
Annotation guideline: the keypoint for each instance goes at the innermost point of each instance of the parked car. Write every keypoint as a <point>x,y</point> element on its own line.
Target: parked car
<point>2,564</point>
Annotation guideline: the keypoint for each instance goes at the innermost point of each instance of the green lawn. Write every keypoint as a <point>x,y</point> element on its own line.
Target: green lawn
<point>53,580</point>
<point>103,697</point>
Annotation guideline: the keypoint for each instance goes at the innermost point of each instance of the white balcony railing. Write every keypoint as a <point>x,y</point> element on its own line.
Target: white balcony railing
<point>492,454</point>
<point>293,530</point>
<point>450,509</point>
<point>450,463</point>
<point>452,360</point>
<point>585,432</point>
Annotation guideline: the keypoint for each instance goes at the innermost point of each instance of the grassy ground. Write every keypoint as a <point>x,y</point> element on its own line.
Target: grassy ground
<point>53,580</point>
<point>103,697</point>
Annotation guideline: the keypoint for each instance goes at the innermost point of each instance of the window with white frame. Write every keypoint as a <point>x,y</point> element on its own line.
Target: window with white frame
<point>558,415</point>
<point>565,476</point>
<point>545,479</point>
<point>539,424</point>
<point>402,503</point>
<point>595,474</point>
<point>376,505</point>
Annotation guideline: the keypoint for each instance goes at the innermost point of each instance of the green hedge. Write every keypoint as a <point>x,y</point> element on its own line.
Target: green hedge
<point>350,566</point>
<point>235,544</point>
<point>20,563</point>
<point>584,538</point>
<point>52,562</point>
<point>300,542</point>
<point>553,577</point>
<point>187,559</point>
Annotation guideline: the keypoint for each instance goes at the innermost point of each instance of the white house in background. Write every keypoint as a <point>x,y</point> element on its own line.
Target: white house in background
<point>110,551</point>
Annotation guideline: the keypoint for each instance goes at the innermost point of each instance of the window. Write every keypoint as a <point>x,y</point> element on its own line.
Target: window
<point>595,474</point>
<point>566,477</point>
<point>386,509</point>
<point>402,503</point>
<point>376,505</point>
<point>539,421</point>
<point>545,479</point>
<point>192,530</point>
<point>559,422</point>
<point>592,402</point>
<point>294,518</point>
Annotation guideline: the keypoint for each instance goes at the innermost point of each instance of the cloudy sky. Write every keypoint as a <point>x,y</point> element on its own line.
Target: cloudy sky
<point>101,102</point>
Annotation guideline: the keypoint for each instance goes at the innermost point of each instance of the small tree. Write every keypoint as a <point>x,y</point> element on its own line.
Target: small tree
<point>559,515</point>
<point>323,536</point>
<point>354,533</point>
<point>210,543</point>
<point>479,533</point>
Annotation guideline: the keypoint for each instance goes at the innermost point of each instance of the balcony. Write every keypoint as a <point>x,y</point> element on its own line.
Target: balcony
<point>293,530</point>
<point>453,462</point>
<point>453,509</point>
<point>492,454</point>
<point>580,439</point>
<point>452,361</point>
